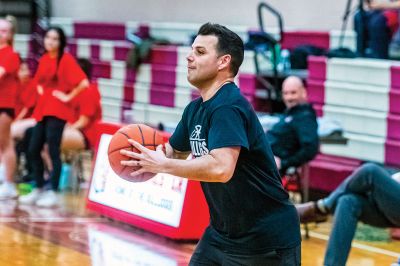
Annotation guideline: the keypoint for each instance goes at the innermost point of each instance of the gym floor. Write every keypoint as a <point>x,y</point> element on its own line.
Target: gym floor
<point>71,235</point>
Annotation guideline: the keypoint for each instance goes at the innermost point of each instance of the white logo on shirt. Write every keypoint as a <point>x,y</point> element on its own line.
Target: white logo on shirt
<point>288,119</point>
<point>198,145</point>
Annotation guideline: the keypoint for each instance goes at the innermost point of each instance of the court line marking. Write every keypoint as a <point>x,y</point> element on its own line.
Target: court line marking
<point>50,219</point>
<point>358,245</point>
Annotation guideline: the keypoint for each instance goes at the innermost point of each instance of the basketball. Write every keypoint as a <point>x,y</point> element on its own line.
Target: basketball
<point>145,135</point>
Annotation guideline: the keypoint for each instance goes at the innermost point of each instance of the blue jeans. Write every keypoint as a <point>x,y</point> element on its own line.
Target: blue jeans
<point>369,195</point>
<point>373,33</point>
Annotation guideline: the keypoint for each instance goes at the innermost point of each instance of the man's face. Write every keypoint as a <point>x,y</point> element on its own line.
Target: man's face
<point>293,95</point>
<point>5,31</point>
<point>203,60</point>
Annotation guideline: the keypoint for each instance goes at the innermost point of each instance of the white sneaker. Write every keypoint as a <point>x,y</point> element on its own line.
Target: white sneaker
<point>30,198</point>
<point>48,199</point>
<point>8,191</point>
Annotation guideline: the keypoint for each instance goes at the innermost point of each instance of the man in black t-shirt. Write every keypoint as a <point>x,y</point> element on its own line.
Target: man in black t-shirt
<point>294,139</point>
<point>252,221</point>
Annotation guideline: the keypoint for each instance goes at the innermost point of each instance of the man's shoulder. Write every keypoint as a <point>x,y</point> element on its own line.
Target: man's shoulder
<point>304,110</point>
<point>191,107</point>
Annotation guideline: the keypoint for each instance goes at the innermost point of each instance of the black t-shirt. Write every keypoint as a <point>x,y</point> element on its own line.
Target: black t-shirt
<point>251,212</point>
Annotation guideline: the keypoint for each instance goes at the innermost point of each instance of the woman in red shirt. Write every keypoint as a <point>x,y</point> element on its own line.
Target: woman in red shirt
<point>80,133</point>
<point>59,79</point>
<point>9,64</point>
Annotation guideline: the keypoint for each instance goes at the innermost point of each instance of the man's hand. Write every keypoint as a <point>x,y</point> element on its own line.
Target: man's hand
<point>278,162</point>
<point>61,96</point>
<point>148,160</point>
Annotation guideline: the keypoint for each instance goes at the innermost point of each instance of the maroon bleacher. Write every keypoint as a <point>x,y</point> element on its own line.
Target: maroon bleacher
<point>100,30</point>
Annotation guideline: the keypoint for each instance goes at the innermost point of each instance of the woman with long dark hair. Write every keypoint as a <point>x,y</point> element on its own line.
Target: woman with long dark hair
<point>59,79</point>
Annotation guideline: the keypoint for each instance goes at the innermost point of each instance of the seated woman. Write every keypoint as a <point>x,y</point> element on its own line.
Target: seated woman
<point>80,133</point>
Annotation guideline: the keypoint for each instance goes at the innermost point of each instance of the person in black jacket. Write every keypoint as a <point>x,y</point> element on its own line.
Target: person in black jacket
<point>294,139</point>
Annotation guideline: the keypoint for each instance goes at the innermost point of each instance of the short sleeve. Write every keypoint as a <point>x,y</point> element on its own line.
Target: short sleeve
<point>72,72</point>
<point>227,129</point>
<point>11,64</point>
<point>180,138</point>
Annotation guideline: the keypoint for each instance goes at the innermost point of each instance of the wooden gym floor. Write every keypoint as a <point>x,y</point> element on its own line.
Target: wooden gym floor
<point>70,235</point>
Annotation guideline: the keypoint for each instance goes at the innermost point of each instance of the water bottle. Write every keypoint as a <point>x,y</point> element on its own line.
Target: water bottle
<point>285,60</point>
<point>65,177</point>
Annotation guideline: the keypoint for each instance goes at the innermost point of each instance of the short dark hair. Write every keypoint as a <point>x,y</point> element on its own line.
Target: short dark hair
<point>228,43</point>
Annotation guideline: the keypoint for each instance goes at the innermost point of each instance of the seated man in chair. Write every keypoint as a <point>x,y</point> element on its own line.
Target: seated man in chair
<point>294,139</point>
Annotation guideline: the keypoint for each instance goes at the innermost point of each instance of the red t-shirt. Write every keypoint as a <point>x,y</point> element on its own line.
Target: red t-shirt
<point>69,75</point>
<point>392,21</point>
<point>9,60</point>
<point>26,97</point>
<point>88,103</point>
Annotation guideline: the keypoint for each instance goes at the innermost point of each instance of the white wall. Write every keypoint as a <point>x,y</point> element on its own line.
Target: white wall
<point>298,14</point>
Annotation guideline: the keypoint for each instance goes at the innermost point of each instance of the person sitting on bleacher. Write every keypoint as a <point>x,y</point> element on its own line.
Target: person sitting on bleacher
<point>294,139</point>
<point>377,29</point>
<point>80,133</point>
<point>369,195</point>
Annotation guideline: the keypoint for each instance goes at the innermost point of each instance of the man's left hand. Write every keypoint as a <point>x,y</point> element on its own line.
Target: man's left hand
<point>148,160</point>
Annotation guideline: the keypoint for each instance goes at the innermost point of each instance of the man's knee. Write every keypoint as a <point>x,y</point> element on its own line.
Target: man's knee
<point>369,169</point>
<point>351,203</point>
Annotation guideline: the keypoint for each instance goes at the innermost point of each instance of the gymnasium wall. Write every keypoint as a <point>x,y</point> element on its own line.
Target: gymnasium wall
<point>298,14</point>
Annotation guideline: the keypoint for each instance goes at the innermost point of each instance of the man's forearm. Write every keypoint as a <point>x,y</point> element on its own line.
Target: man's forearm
<point>204,168</point>
<point>174,154</point>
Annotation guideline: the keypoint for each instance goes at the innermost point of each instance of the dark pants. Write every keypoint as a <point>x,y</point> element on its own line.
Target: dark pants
<point>210,255</point>
<point>369,195</point>
<point>49,131</point>
<point>373,34</point>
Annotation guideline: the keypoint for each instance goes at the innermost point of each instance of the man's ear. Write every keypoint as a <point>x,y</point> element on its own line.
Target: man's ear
<point>224,61</point>
<point>304,94</point>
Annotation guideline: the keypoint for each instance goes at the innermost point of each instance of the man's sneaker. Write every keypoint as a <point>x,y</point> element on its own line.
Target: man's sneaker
<point>48,199</point>
<point>30,198</point>
<point>8,191</point>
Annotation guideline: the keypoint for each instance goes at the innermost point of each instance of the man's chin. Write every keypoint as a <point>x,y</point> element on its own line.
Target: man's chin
<point>191,81</point>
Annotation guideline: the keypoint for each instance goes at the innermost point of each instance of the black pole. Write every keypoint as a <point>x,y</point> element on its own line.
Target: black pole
<point>344,23</point>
